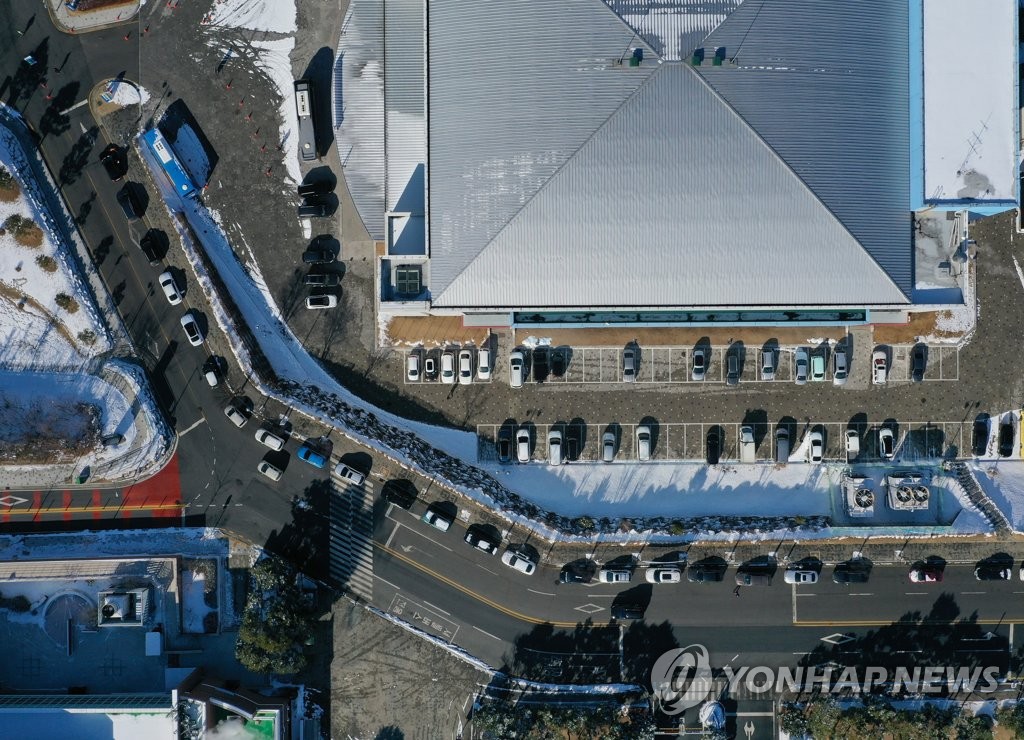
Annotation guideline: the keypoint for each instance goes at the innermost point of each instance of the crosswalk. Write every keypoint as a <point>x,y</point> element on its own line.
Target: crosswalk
<point>351,531</point>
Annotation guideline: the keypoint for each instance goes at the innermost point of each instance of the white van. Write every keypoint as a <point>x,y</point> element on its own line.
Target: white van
<point>781,446</point>
<point>555,447</point>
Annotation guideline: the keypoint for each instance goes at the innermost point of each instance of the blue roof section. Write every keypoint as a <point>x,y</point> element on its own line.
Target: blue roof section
<point>826,84</point>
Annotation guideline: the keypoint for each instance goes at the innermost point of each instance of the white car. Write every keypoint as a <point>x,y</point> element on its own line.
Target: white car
<point>170,287</point>
<point>663,575</point>
<point>614,575</point>
<point>801,359</point>
<point>269,439</point>
<point>886,443</point>
<point>519,562</point>
<point>270,470</point>
<point>608,447</point>
<point>465,367</point>
<point>192,330</point>
<point>412,367</point>
<point>344,472</point>
<point>235,416</point>
<point>523,445</point>
<point>325,300</point>
<point>879,367</point>
<point>437,520</point>
<point>643,443</point>
<point>447,368</point>
<point>817,446</point>
<point>483,364</point>
<point>699,364</point>
<point>840,366</point>
<point>768,364</point>
<point>516,369</point>
<point>555,456</point>
<point>800,576</point>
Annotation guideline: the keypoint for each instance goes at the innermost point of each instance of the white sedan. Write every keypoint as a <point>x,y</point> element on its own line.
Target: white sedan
<point>519,562</point>
<point>663,575</point>
<point>798,576</point>
<point>879,367</point>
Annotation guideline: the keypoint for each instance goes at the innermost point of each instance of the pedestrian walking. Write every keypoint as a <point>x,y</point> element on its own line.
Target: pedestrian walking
<point>736,591</point>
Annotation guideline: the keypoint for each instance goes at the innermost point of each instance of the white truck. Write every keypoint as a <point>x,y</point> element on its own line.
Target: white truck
<point>747,444</point>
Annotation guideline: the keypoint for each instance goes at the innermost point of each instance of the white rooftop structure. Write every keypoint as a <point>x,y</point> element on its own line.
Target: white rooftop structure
<point>970,113</point>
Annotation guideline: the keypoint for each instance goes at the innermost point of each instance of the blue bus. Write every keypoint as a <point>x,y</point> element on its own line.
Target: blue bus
<point>172,168</point>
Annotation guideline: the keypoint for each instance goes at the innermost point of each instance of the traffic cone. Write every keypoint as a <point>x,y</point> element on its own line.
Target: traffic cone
<point>263,148</point>
<point>269,170</point>
<point>145,30</point>
<point>228,85</point>
<point>127,35</point>
<point>248,116</point>
<point>241,102</point>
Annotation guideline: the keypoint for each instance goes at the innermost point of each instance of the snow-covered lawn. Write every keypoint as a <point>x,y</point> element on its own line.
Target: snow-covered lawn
<point>277,16</point>
<point>1003,481</point>
<point>194,608</point>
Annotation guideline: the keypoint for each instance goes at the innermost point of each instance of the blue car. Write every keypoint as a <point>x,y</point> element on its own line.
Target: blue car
<point>313,456</point>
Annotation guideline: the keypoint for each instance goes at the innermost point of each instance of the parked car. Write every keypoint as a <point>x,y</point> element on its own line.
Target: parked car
<point>320,187</point>
<point>925,574</point>
<point>817,366</point>
<point>310,454</point>
<point>608,447</point>
<point>213,370</point>
<point>614,575</point>
<point>270,470</point>
<point>448,368</point>
<point>192,329</point>
<point>504,446</point>
<point>115,161</point>
<point>516,369</point>
<point>732,368</point>
<point>148,246</point>
<point>800,359</point>
<point>879,367</point>
<point>713,449</point>
<point>268,439</point>
<point>322,279</point>
<point>518,561</point>
<point>317,256</point>
<point>855,570</point>
<point>555,453</point>
<point>399,495</point>
<point>992,571</point>
<point>663,574</point>
<point>768,364</point>
<point>1006,435</point>
<point>817,446</point>
<point>313,208</point>
<point>627,610</point>
<point>430,369</point>
<point>412,367</point>
<point>643,443</point>
<point>886,443</point>
<point>573,575</point>
<point>523,445</point>
<point>700,572</point>
<point>437,519</point>
<point>321,300</point>
<point>540,363</point>
<point>170,287</point>
<point>128,199</point>
<point>800,576</point>
<point>840,366</point>
<point>483,363</point>
<point>629,365</point>
<point>699,364</point>
<point>753,578</point>
<point>351,475</point>
<point>235,415</point>
<point>852,444</point>
<point>781,445</point>
<point>979,437</point>
<point>558,362</point>
<point>479,540</point>
<point>465,367</point>
<point>918,361</point>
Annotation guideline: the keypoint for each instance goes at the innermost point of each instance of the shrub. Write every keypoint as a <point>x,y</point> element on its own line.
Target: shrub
<point>87,336</point>
<point>676,528</point>
<point>24,230</point>
<point>9,189</point>
<point>49,264</point>
<point>585,524</point>
<point>66,302</point>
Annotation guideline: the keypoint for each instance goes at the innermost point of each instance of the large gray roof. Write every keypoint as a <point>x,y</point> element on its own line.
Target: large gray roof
<point>560,178</point>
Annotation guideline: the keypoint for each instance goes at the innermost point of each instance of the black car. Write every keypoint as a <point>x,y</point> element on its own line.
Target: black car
<point>481,541</point>
<point>541,366</point>
<point>714,447</point>
<point>400,493</point>
<point>321,187</point>
<point>918,363</point>
<point>991,571</point>
<point>571,575</point>
<point>148,246</point>
<point>705,573</point>
<point>1006,439</point>
<point>558,362</point>
<point>114,161</point>
<point>627,611</point>
<point>504,446</point>
<point>857,570</point>
<point>312,208</point>
<point>979,437</point>
<point>322,279</point>
<point>128,199</point>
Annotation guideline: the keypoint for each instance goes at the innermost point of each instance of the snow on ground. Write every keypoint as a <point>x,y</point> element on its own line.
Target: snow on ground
<point>969,144</point>
<point>191,541</point>
<point>129,94</point>
<point>1003,481</point>
<point>90,724</point>
<point>275,60</point>
<point>27,340</point>
<point>194,607</point>
<point>258,15</point>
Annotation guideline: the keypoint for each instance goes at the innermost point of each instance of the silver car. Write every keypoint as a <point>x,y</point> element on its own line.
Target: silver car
<point>840,368</point>
<point>629,365</point>
<point>608,447</point>
<point>800,356</point>
<point>768,364</point>
<point>699,363</point>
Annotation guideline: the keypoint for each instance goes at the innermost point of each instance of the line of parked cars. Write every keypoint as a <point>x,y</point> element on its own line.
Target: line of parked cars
<point>317,255</point>
<point>441,518</point>
<point>562,448</point>
<point>456,366</point>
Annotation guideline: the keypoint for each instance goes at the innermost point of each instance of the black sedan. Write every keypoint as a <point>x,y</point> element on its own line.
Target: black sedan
<point>115,161</point>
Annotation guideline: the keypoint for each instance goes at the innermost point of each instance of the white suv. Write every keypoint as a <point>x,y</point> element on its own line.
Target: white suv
<point>555,456</point>
<point>616,575</point>
<point>643,443</point>
<point>516,369</point>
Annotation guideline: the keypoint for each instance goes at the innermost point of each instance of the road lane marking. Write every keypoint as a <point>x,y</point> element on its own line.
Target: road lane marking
<point>915,593</point>
<point>859,594</point>
<point>890,622</point>
<point>79,104</point>
<point>397,588</point>
<point>197,422</point>
<point>487,569</point>
<point>435,606</point>
<point>391,536</point>
<point>428,539</point>
<point>800,594</point>
<point>971,593</point>
<point>486,633</point>
<point>542,593</point>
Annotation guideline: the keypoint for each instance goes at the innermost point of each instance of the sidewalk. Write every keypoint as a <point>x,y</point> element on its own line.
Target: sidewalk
<point>84,21</point>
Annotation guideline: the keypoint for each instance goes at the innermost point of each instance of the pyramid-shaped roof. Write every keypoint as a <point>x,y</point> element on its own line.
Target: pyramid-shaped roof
<point>560,175</point>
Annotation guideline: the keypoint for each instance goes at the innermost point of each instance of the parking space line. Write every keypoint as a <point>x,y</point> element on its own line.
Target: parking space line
<point>485,632</point>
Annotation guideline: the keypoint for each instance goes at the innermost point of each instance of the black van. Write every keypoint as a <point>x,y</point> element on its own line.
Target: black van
<point>321,187</point>
<point>312,209</point>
